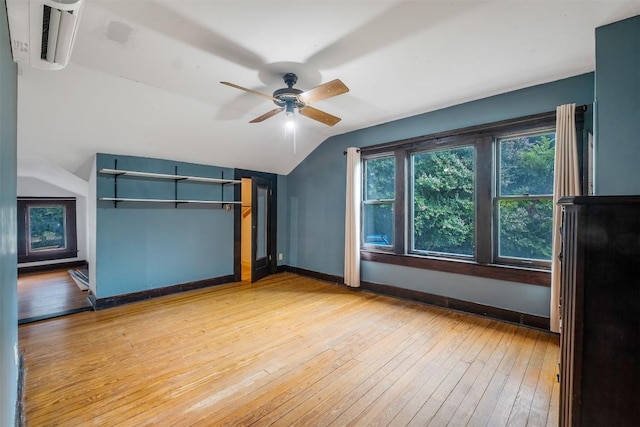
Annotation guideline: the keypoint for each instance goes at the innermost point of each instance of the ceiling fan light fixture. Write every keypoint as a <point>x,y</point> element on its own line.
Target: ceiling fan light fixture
<point>289,120</point>
<point>289,114</point>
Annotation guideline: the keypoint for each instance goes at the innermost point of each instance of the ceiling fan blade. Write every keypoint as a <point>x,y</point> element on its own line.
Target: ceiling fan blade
<point>266,115</point>
<point>255,92</point>
<point>324,91</point>
<point>321,116</point>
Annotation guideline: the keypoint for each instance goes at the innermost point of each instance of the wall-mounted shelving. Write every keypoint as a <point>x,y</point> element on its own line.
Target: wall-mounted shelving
<point>202,202</point>
<point>137,174</point>
<point>167,177</point>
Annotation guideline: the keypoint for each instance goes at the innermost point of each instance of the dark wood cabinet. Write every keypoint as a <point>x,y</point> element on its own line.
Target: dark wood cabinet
<point>600,312</point>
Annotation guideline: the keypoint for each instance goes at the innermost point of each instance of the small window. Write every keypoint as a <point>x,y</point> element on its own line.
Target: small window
<point>443,213</point>
<point>46,229</point>
<point>524,198</point>
<point>378,201</point>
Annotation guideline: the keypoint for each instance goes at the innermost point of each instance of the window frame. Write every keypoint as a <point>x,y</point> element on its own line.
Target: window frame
<point>25,255</point>
<point>497,197</point>
<point>365,201</point>
<point>483,137</point>
<point>410,201</point>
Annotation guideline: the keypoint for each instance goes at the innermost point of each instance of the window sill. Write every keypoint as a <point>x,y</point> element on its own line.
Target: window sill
<point>530,276</point>
<point>47,256</point>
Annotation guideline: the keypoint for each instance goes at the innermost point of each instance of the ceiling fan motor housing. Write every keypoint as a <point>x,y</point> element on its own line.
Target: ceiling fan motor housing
<point>287,97</point>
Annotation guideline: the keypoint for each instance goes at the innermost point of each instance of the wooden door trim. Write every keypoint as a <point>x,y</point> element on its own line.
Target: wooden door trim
<point>237,221</point>
<point>260,266</point>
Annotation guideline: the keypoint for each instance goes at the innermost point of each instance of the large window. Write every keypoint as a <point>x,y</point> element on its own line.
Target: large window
<point>443,201</point>
<point>473,201</point>
<point>46,229</point>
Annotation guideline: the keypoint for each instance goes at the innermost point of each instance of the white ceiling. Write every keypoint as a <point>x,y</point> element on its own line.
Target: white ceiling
<point>144,75</point>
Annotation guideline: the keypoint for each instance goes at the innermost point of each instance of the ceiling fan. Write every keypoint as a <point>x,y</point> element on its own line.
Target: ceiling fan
<point>289,99</point>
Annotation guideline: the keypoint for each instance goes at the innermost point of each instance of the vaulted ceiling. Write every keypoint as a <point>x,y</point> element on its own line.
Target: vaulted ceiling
<point>144,75</point>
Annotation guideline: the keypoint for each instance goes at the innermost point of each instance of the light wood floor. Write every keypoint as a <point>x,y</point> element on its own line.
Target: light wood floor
<point>50,293</point>
<point>286,351</point>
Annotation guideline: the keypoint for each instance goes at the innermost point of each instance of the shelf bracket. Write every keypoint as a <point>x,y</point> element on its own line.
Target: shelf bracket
<point>175,187</point>
<point>115,185</point>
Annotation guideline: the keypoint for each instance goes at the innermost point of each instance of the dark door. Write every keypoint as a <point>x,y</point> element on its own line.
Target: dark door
<point>260,226</point>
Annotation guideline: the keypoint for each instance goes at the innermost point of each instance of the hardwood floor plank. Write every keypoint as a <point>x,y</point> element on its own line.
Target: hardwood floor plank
<point>311,324</point>
<point>521,408</point>
<point>322,408</point>
<point>508,394</point>
<point>264,397</point>
<point>360,397</point>
<point>553,417</point>
<point>497,346</point>
<point>452,388</point>
<point>211,357</point>
<point>388,404</point>
<point>486,405</point>
<point>478,359</point>
<point>541,403</point>
<point>369,340</point>
<point>46,293</point>
<point>377,361</point>
<point>287,351</point>
<point>438,372</point>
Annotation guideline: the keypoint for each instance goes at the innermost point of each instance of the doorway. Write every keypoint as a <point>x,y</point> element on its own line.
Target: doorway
<point>256,229</point>
<point>245,242</point>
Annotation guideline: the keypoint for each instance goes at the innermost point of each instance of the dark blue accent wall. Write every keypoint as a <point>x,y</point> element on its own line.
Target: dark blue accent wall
<point>8,257</point>
<point>316,196</point>
<point>618,108</point>
<point>143,246</point>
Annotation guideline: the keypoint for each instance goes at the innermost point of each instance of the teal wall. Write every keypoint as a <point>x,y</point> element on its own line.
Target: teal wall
<point>316,196</point>
<point>282,242</point>
<point>617,97</point>
<point>142,246</point>
<point>8,254</point>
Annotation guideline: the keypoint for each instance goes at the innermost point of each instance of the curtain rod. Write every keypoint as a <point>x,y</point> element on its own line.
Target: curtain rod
<point>345,153</point>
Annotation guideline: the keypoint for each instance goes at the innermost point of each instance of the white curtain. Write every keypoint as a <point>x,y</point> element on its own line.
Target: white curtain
<point>566,182</point>
<point>352,219</point>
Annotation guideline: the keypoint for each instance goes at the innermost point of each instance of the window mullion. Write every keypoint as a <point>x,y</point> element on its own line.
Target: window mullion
<point>484,194</point>
<point>400,205</point>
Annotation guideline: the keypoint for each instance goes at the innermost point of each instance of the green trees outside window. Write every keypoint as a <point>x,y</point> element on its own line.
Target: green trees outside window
<point>482,194</point>
<point>443,201</point>
<point>47,228</point>
<point>524,200</point>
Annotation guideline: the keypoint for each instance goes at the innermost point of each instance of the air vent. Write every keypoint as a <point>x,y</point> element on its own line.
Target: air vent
<point>57,32</point>
<point>43,31</point>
